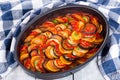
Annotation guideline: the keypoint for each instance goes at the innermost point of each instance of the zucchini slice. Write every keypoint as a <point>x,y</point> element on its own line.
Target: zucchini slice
<point>50,66</point>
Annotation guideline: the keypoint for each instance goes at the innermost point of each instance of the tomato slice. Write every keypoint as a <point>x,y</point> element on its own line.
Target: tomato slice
<point>34,33</point>
<point>58,63</point>
<point>48,24</point>
<point>27,63</point>
<point>90,28</point>
<point>66,45</point>
<point>75,26</point>
<point>39,65</point>
<point>57,51</point>
<point>23,48</point>
<point>88,35</point>
<point>61,19</point>
<point>65,19</point>
<point>34,53</point>
<point>85,44</point>
<point>78,16</point>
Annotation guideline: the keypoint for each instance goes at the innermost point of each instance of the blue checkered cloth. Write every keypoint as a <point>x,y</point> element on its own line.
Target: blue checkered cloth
<point>15,14</point>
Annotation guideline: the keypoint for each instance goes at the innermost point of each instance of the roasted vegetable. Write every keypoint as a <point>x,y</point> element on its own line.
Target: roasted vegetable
<point>98,39</point>
<point>66,45</point>
<point>94,20</point>
<point>89,28</point>
<point>79,51</point>
<point>48,34</point>
<point>58,63</point>
<point>72,42</point>
<point>50,66</point>
<point>86,18</point>
<point>70,57</point>
<point>76,35</point>
<point>33,59</point>
<point>77,26</point>
<point>27,63</point>
<point>39,65</point>
<point>63,51</point>
<point>61,19</point>
<point>32,47</point>
<point>50,52</point>
<point>34,53</point>
<point>41,39</point>
<point>48,24</point>
<point>60,27</point>
<point>77,16</point>
<point>85,44</point>
<point>24,56</point>
<point>29,38</point>
<point>100,29</point>
<point>65,61</point>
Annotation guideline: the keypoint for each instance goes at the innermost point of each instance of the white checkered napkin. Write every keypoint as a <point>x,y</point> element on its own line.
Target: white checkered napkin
<point>11,13</point>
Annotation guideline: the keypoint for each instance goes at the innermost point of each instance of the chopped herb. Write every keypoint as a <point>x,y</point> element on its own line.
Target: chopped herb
<point>85,18</point>
<point>69,19</point>
<point>75,34</point>
<point>55,21</point>
<point>66,24</point>
<point>36,62</point>
<point>78,48</point>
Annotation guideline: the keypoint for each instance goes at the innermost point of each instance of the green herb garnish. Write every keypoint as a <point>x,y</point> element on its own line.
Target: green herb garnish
<point>66,24</point>
<point>55,21</point>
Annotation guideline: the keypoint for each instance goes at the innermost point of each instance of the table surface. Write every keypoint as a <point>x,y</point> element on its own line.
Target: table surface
<point>89,72</point>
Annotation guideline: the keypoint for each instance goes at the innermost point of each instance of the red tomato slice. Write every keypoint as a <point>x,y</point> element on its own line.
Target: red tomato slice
<point>34,53</point>
<point>88,35</point>
<point>58,63</point>
<point>57,51</point>
<point>27,63</point>
<point>77,16</point>
<point>90,28</point>
<point>24,47</point>
<point>65,19</point>
<point>67,45</point>
<point>40,64</point>
<point>48,24</point>
<point>34,33</point>
<point>75,26</point>
<point>85,44</point>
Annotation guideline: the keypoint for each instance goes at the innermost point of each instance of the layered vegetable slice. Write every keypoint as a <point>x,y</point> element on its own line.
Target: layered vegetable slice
<point>85,44</point>
<point>49,52</point>
<point>50,66</point>
<point>79,51</point>
<point>61,43</point>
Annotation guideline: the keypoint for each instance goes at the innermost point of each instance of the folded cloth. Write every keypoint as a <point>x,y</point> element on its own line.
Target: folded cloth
<point>15,14</point>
